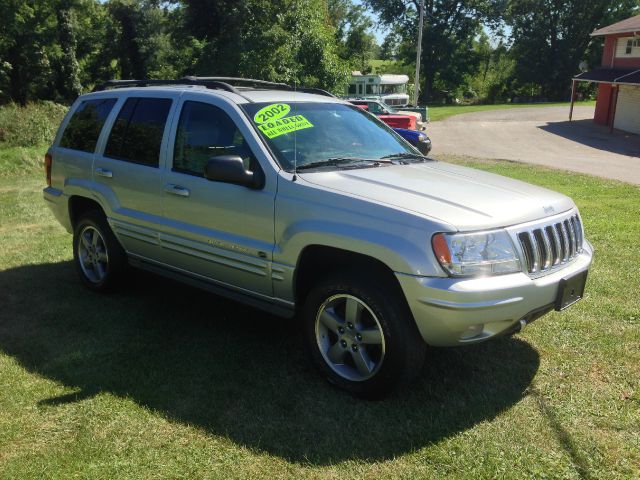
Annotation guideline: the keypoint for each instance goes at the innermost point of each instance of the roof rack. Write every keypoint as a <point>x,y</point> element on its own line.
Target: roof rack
<point>219,83</point>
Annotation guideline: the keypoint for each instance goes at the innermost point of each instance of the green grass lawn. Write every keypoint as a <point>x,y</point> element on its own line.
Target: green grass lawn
<point>164,381</point>
<point>440,112</point>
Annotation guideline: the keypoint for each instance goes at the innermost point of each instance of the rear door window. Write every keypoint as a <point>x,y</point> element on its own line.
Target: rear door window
<point>85,125</point>
<point>137,132</point>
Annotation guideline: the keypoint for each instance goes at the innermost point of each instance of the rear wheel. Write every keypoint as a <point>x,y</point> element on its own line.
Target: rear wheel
<point>98,256</point>
<point>361,335</point>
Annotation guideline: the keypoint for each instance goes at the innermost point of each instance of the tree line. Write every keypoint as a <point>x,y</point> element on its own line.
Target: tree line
<point>481,49</point>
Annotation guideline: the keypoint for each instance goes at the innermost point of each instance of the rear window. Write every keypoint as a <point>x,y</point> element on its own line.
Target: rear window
<point>84,127</point>
<point>137,132</point>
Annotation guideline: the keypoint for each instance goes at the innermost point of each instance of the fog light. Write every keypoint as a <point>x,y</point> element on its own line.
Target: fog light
<point>472,331</point>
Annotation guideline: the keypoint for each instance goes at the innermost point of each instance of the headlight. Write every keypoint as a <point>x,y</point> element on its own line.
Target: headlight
<point>423,138</point>
<point>476,254</point>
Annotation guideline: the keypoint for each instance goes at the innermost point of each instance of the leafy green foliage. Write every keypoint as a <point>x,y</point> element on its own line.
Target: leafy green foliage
<point>53,49</point>
<point>34,124</point>
<point>25,32</point>
<point>68,69</point>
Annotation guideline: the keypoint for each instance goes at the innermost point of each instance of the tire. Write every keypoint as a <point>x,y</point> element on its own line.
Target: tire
<point>99,258</point>
<point>361,335</point>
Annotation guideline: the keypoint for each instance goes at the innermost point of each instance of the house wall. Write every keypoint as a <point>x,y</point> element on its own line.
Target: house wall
<point>603,104</point>
<point>614,52</point>
<point>608,51</point>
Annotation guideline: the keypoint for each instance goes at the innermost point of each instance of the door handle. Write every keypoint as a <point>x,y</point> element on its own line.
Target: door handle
<point>177,190</point>
<point>104,173</point>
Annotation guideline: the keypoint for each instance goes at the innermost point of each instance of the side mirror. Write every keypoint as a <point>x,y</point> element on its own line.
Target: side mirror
<point>230,169</point>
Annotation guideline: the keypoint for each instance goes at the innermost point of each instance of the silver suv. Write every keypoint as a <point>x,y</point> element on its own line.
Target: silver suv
<point>299,203</point>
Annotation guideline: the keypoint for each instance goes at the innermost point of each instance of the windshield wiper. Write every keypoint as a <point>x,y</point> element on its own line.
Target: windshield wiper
<point>404,155</point>
<point>339,160</point>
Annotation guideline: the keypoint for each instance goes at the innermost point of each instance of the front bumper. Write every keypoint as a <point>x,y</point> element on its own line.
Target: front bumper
<point>456,311</point>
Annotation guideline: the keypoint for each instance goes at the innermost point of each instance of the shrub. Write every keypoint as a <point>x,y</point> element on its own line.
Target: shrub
<point>34,124</point>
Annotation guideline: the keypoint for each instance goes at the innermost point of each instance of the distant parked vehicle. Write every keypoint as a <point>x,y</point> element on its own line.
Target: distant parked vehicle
<point>420,140</point>
<point>394,121</point>
<point>380,108</point>
<point>391,89</point>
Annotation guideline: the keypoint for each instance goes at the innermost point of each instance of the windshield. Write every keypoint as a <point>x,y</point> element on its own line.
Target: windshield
<point>312,132</point>
<point>390,88</point>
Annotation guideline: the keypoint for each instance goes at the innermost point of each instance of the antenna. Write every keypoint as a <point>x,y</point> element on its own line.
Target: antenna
<point>295,88</point>
<point>295,136</point>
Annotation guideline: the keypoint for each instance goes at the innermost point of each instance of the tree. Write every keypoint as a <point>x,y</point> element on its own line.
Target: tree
<point>25,33</point>
<point>389,47</point>
<point>450,29</point>
<point>359,45</point>
<point>551,37</point>
<point>68,69</point>
<point>355,42</point>
<point>282,40</point>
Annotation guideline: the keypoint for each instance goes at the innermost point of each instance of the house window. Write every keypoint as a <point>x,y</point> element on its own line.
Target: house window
<point>629,47</point>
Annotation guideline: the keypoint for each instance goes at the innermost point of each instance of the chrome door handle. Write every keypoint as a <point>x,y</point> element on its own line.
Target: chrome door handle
<point>177,190</point>
<point>104,173</point>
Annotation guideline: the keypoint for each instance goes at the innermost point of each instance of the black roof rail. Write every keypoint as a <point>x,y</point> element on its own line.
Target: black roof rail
<point>220,83</point>
<point>150,82</point>
<point>317,91</point>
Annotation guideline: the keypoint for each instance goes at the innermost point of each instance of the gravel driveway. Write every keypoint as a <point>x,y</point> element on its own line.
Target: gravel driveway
<point>543,136</point>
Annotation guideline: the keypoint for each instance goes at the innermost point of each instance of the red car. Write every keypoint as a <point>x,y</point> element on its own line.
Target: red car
<point>395,121</point>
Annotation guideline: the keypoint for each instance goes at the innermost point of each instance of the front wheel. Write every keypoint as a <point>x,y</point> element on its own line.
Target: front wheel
<point>361,335</point>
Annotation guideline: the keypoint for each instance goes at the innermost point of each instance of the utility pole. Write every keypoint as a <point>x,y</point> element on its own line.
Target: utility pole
<point>419,52</point>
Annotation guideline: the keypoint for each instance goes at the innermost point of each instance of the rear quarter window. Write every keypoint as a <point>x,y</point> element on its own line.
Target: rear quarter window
<point>85,125</point>
<point>137,132</point>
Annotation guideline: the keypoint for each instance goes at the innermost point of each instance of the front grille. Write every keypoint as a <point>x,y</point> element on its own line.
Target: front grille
<point>548,246</point>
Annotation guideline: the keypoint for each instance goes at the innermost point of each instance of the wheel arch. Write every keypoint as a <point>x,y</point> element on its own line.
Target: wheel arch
<point>317,261</point>
<point>79,205</point>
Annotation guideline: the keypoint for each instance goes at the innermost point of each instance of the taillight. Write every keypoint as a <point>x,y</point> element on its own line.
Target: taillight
<point>48,161</point>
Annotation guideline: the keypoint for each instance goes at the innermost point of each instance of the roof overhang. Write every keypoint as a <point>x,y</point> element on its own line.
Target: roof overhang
<point>630,25</point>
<point>617,76</point>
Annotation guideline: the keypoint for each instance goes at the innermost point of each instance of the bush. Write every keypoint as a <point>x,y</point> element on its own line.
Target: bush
<point>34,124</point>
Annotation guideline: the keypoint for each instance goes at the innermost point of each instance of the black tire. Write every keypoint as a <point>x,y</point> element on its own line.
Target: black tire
<point>116,263</point>
<point>403,347</point>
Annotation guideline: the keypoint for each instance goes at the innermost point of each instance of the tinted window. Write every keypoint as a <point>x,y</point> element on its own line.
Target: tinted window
<point>137,132</point>
<point>84,127</point>
<point>205,131</point>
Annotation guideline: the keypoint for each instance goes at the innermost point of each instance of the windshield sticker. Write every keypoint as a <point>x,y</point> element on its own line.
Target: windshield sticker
<point>281,126</point>
<point>271,112</point>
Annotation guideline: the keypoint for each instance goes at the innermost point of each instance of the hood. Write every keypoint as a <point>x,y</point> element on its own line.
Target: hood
<point>411,114</point>
<point>465,198</point>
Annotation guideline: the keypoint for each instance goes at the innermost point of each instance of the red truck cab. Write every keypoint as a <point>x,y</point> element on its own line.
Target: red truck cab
<point>395,121</point>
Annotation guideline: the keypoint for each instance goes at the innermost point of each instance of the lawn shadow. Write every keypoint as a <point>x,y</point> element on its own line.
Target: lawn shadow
<point>596,136</point>
<point>237,372</point>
